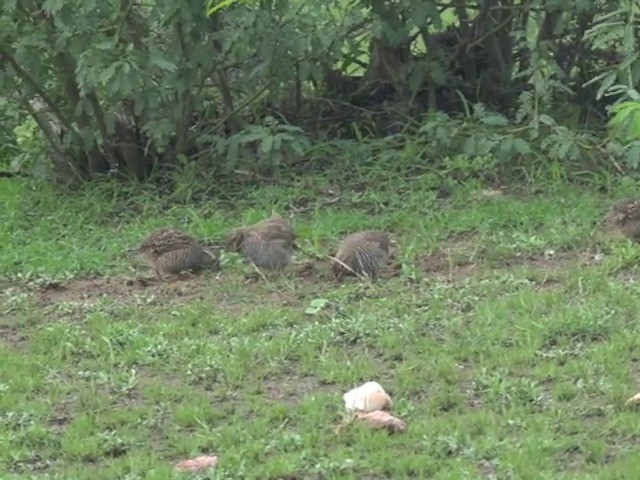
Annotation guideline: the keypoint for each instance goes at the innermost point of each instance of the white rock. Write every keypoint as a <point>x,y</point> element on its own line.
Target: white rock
<point>368,397</point>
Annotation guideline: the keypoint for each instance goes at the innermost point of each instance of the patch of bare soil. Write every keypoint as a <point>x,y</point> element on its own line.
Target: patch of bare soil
<point>390,271</point>
<point>445,265</point>
<point>455,261</point>
<point>487,469</point>
<point>181,288</point>
<point>548,270</point>
<point>551,260</point>
<point>12,335</point>
<point>62,414</point>
<point>90,289</point>
<point>311,271</point>
<point>474,399</point>
<point>290,389</point>
<point>12,331</point>
<point>627,275</point>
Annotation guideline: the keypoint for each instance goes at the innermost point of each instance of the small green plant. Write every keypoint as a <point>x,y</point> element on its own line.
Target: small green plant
<point>273,143</point>
<point>31,148</point>
<point>625,121</point>
<point>316,305</point>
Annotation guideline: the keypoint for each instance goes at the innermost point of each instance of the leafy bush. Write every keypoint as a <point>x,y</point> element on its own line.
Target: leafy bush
<point>123,87</point>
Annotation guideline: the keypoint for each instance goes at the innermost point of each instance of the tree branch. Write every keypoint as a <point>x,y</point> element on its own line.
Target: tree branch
<point>7,57</point>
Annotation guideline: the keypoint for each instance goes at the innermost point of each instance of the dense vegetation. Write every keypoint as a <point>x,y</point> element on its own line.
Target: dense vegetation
<point>132,88</point>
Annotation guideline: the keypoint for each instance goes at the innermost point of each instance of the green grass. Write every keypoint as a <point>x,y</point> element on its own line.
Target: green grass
<point>503,362</point>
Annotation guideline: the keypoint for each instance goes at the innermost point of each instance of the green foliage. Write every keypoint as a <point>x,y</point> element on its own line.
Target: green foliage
<point>275,142</point>
<point>621,26</point>
<point>109,58</point>
<point>625,121</point>
<point>214,6</point>
<point>125,87</point>
<point>31,154</point>
<point>8,147</point>
<point>488,142</point>
<point>316,305</point>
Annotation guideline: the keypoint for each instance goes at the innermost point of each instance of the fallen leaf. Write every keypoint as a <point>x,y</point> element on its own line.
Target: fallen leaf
<point>316,305</point>
<point>381,419</point>
<point>368,397</point>
<point>199,463</point>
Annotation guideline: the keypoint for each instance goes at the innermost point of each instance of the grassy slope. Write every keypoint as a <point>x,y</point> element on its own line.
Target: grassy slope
<point>504,363</point>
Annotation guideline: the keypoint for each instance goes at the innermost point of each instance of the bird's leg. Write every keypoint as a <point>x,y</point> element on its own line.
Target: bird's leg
<point>156,268</point>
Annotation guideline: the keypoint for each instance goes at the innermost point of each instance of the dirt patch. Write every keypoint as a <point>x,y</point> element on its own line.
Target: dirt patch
<point>552,260</point>
<point>454,260</point>
<point>627,275</point>
<point>311,271</point>
<point>458,260</point>
<point>549,270</point>
<point>90,289</point>
<point>440,261</point>
<point>289,390</point>
<point>443,264</point>
<point>62,414</point>
<point>12,335</point>
<point>487,469</point>
<point>180,288</point>
<point>473,397</point>
<point>12,331</point>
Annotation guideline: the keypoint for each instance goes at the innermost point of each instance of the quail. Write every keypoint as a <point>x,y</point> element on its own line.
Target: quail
<point>267,244</point>
<point>623,218</point>
<point>275,228</point>
<point>363,254</point>
<point>171,251</point>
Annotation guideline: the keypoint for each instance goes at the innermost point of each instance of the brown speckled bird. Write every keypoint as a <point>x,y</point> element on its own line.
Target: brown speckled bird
<point>364,253</point>
<point>171,251</point>
<point>623,218</point>
<point>267,244</point>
